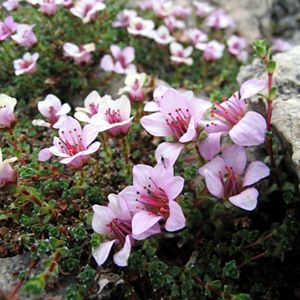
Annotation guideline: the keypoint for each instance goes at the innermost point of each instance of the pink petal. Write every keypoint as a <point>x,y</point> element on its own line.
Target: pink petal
<point>156,124</point>
<point>255,172</point>
<point>141,174</point>
<point>246,200</point>
<point>103,215</point>
<point>215,166</point>
<point>65,108</point>
<point>89,134</point>
<point>250,130</point>
<point>44,155</point>
<point>115,51</point>
<point>119,206</point>
<point>121,257</point>
<point>213,184</point>
<point>235,157</point>
<point>173,187</point>
<point>143,221</point>
<point>190,133</point>
<point>211,146</point>
<point>151,106</point>
<point>176,220</point>
<point>199,107</point>
<point>252,87</point>
<point>102,251</point>
<point>155,229</point>
<point>129,54</point>
<point>171,101</point>
<point>168,152</point>
<point>107,63</point>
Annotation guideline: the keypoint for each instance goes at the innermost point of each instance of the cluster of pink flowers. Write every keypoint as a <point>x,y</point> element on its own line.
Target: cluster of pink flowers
<point>173,17</point>
<point>139,211</point>
<point>8,174</point>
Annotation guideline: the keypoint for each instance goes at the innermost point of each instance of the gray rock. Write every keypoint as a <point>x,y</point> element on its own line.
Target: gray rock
<point>253,17</point>
<point>286,106</point>
<point>10,267</point>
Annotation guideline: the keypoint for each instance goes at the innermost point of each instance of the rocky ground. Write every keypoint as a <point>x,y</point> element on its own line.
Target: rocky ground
<point>256,18</point>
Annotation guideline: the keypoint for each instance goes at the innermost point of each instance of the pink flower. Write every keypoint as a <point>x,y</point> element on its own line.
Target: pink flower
<point>203,8</point>
<point>52,109</point>
<point>152,198</point>
<point>146,5</point>
<point>218,19</point>
<point>226,178</point>
<point>134,86</point>
<point>120,61</point>
<point>231,116</point>
<point>48,7</point>
<point>11,4</point>
<point>81,54</point>
<point>113,222</point>
<point>139,26</point>
<point>7,28</point>
<point>196,36</point>
<point>124,17</point>
<point>74,145</point>
<point>91,106</point>
<point>7,116</point>
<point>172,23</point>
<point>162,9</point>
<point>158,94</point>
<point>179,55</point>
<point>180,117</point>
<point>213,50</point>
<point>25,36</point>
<point>67,3</point>
<point>113,116</point>
<point>280,45</point>
<point>237,46</point>
<point>182,12</point>
<point>87,10</point>
<point>162,36</point>
<point>8,175</point>
<point>27,64</point>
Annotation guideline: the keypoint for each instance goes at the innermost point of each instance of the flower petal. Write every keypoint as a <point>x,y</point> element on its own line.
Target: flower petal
<point>168,152</point>
<point>156,124</point>
<point>247,199</point>
<point>102,251</point>
<point>210,146</point>
<point>44,154</point>
<point>176,220</point>
<point>250,130</point>
<point>143,221</point>
<point>255,172</point>
<point>252,87</point>
<point>235,157</point>
<point>121,257</point>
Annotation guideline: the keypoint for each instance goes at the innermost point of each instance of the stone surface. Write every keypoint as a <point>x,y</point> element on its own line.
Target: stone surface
<point>286,111</point>
<point>253,17</point>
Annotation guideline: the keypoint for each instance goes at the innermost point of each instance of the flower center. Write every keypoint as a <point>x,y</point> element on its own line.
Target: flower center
<point>121,59</point>
<point>230,182</point>
<point>72,143</point>
<point>52,115</point>
<point>113,116</point>
<point>93,108</point>
<point>154,199</point>
<point>179,121</point>
<point>139,26</point>
<point>87,9</point>
<point>120,228</point>
<point>230,113</point>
